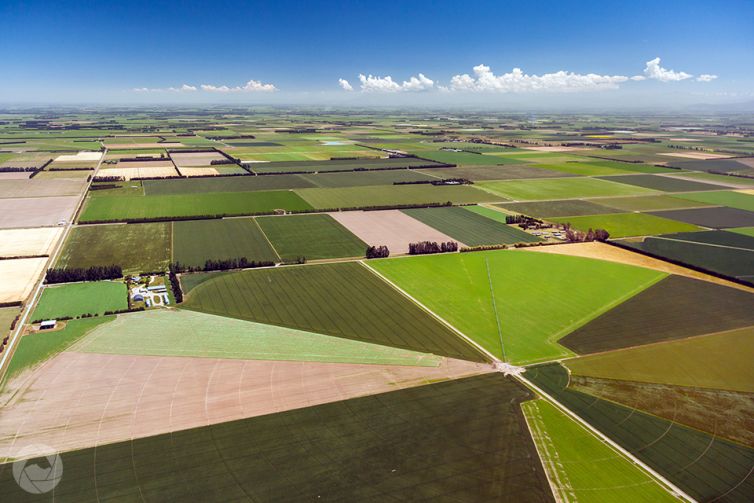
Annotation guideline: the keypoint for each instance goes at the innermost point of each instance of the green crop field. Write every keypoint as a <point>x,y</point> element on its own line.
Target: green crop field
<point>582,467</point>
<point>663,183</point>
<point>565,208</point>
<point>223,184</point>
<point>505,171</point>
<point>736,261</point>
<point>647,203</point>
<point>731,199</point>
<point>344,300</point>
<point>621,225</point>
<point>364,178</point>
<point>196,241</point>
<point>314,237</point>
<point>705,466</point>
<point>460,158</point>
<point>582,168</point>
<point>539,297</point>
<point>135,247</point>
<point>76,299</point>
<point>561,188</point>
<point>40,346</point>
<point>675,308</point>
<point>746,231</point>
<point>184,205</point>
<point>388,195</point>
<point>402,445</point>
<point>727,358</point>
<point>189,333</point>
<point>7,315</point>
<point>469,227</point>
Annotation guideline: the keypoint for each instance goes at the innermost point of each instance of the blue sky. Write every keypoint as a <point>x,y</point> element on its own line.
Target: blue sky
<point>141,52</point>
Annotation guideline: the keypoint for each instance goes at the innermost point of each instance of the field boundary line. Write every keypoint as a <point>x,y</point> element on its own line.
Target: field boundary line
<point>715,245</point>
<point>494,359</point>
<point>555,488</point>
<point>662,481</point>
<point>267,238</point>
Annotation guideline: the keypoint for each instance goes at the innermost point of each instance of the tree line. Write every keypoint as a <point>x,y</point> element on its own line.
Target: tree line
<point>377,252</point>
<point>94,273</point>
<point>427,247</point>
<point>221,265</point>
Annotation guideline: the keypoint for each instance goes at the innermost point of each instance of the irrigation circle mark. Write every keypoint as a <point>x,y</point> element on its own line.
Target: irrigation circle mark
<point>42,473</point>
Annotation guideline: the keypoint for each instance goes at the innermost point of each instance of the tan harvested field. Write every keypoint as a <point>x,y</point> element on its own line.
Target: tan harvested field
<point>78,400</point>
<point>129,173</point>
<point>749,161</point>
<point>132,146</point>
<point>192,159</point>
<point>15,175</point>
<point>747,191</point>
<point>17,277</point>
<point>41,187</point>
<point>36,212</point>
<point>556,148</point>
<point>204,171</point>
<point>28,242</point>
<point>57,174</point>
<point>391,228</point>
<point>702,156</point>
<point>22,164</point>
<point>144,164</point>
<point>610,253</point>
<point>81,156</point>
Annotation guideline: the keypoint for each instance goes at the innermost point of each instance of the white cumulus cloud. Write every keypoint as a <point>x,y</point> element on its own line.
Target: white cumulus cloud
<point>185,88</point>
<point>706,77</point>
<point>250,87</point>
<point>517,81</point>
<point>653,70</point>
<point>372,83</point>
<point>343,83</point>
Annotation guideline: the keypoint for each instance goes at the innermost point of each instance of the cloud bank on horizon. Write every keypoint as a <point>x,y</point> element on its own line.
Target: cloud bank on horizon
<point>517,81</point>
<point>252,86</point>
<point>482,79</point>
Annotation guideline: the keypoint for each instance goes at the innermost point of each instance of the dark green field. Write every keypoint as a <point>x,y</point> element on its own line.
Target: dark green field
<point>468,227</point>
<point>375,448</point>
<point>340,165</point>
<point>391,195</point>
<point>721,252</point>
<point>344,300</point>
<point>565,208</point>
<point>715,218</point>
<point>196,241</point>
<point>364,178</point>
<point>702,465</point>
<point>505,171</point>
<point>122,208</point>
<point>663,183</point>
<point>316,236</point>
<point>223,184</point>
<point>135,247</point>
<point>675,308</point>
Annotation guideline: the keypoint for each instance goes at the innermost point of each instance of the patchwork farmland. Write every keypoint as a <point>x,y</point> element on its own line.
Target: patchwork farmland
<point>235,305</point>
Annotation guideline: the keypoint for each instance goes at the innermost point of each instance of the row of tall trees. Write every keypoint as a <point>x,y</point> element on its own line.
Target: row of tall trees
<point>427,247</point>
<point>377,252</point>
<point>94,273</point>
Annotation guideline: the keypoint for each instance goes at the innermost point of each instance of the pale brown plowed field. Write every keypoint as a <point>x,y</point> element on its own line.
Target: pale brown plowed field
<point>79,400</point>
<point>392,228</point>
